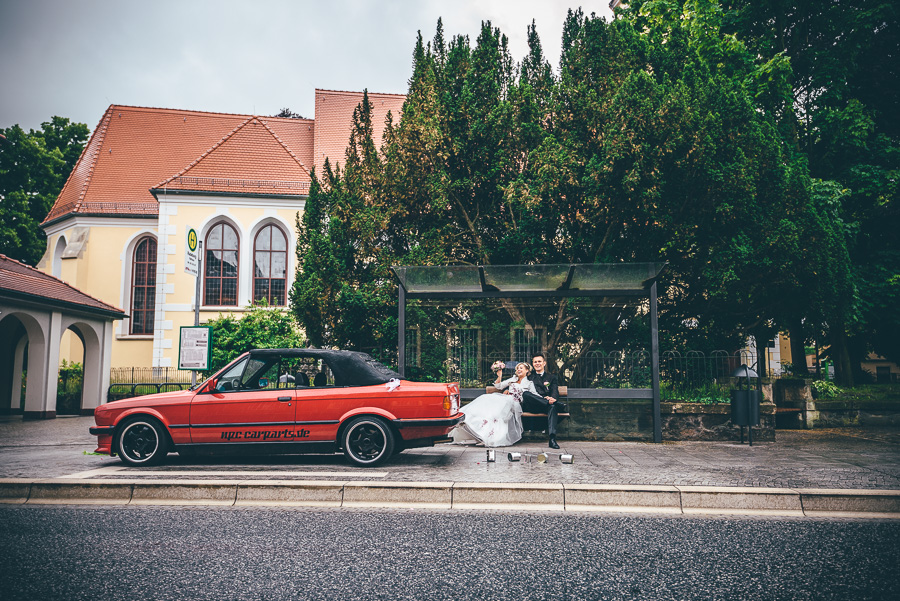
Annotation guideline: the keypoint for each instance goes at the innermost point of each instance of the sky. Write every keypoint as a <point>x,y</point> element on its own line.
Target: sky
<point>75,58</point>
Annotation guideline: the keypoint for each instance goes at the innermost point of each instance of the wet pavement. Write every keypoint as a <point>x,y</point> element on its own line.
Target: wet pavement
<point>838,458</point>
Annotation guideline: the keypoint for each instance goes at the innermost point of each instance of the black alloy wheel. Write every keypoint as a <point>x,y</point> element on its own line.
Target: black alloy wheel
<point>368,441</point>
<point>142,441</point>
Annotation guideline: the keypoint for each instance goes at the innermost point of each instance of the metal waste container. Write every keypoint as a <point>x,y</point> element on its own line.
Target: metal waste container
<point>745,401</point>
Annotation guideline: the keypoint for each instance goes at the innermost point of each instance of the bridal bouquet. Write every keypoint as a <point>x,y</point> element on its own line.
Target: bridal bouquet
<point>497,366</point>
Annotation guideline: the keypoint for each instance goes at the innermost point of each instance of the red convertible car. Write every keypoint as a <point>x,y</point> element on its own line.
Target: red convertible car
<point>284,401</point>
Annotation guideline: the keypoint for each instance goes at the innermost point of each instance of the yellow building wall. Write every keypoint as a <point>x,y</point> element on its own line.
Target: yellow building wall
<point>99,269</point>
<point>177,216</point>
<point>784,344</point>
<point>102,267</point>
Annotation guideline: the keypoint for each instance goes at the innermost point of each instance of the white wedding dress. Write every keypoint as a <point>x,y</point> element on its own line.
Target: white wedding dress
<point>495,419</point>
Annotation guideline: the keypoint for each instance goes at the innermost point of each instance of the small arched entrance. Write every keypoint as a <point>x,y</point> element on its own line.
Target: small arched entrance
<point>36,310</point>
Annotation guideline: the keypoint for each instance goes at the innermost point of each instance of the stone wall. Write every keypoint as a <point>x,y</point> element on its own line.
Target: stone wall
<point>620,420</point>
<point>696,421</point>
<point>796,408</point>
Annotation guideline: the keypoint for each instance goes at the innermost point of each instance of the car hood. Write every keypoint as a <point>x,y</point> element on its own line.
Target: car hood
<point>153,399</point>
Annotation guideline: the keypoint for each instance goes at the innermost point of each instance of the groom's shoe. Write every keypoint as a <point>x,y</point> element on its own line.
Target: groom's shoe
<point>553,444</point>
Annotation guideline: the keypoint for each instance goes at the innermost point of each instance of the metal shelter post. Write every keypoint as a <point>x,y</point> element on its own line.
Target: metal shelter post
<point>401,332</point>
<point>654,365</point>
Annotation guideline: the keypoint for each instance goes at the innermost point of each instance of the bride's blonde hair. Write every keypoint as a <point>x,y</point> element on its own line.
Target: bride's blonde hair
<point>527,367</point>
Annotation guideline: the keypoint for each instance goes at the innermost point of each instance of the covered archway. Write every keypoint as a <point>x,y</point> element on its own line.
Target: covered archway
<point>35,311</point>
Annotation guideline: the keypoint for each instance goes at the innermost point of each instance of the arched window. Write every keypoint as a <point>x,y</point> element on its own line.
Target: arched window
<point>270,265</point>
<point>221,269</point>
<point>143,286</point>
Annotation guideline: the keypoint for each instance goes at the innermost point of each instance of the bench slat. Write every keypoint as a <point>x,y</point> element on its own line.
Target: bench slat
<point>563,390</point>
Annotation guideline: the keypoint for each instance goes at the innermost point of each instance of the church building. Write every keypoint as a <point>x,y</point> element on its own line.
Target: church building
<point>148,176</point>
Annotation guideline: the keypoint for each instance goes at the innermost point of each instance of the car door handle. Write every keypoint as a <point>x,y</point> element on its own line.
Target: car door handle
<point>285,399</point>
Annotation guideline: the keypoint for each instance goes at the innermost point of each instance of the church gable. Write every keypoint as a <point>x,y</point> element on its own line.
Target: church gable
<point>251,159</point>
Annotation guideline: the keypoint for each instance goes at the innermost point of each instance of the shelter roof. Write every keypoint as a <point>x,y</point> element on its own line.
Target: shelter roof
<point>508,281</point>
<point>22,282</point>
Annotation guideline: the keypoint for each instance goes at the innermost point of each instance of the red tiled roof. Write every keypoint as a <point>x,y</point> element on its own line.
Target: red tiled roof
<point>297,134</point>
<point>334,118</point>
<point>134,148</point>
<point>21,281</point>
<point>251,158</point>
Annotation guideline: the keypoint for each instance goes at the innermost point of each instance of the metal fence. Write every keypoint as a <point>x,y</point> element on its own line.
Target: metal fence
<point>700,377</point>
<point>598,369</point>
<point>125,382</point>
<point>689,376</point>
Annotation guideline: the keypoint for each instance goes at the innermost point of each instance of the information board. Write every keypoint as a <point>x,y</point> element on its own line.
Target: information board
<point>195,348</point>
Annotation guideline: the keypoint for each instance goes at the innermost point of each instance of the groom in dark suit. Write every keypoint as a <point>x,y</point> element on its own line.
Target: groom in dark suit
<point>547,398</point>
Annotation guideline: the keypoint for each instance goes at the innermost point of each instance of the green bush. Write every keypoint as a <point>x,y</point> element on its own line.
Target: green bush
<point>69,387</point>
<point>826,389</point>
<point>260,327</point>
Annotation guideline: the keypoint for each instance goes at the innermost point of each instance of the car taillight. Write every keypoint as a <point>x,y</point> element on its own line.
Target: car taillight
<point>447,403</point>
<point>451,403</point>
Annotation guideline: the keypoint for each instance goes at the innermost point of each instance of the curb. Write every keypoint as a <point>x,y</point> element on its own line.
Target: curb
<point>685,500</point>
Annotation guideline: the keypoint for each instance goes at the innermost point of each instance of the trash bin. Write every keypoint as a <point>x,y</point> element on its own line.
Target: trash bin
<point>745,401</point>
<point>745,407</point>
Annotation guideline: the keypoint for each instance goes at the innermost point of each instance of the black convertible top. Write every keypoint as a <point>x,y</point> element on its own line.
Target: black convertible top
<point>350,368</point>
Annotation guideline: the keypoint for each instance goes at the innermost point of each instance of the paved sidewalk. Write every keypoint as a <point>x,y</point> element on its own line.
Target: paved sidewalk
<point>844,458</point>
<point>840,469</point>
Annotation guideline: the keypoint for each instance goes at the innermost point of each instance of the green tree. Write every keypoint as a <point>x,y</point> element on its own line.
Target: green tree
<point>260,327</point>
<point>33,169</point>
<point>662,138</point>
<point>343,293</point>
<point>845,86</point>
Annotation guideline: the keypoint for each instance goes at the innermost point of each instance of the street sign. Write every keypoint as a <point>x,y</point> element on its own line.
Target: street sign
<point>195,347</point>
<point>191,256</point>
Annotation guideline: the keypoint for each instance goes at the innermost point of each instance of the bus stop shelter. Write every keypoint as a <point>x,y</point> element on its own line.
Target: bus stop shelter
<point>630,281</point>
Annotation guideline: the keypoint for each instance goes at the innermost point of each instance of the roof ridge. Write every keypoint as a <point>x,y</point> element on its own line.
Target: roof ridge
<point>159,109</point>
<point>359,92</point>
<point>63,282</point>
<point>285,146</point>
<point>288,119</point>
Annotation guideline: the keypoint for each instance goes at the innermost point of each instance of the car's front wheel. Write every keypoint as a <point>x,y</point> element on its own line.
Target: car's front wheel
<point>142,441</point>
<point>367,441</point>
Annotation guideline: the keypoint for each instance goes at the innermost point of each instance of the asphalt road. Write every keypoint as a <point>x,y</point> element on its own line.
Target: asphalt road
<point>64,552</point>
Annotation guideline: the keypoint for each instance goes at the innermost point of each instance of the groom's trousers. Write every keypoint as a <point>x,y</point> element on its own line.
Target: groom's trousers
<point>534,403</point>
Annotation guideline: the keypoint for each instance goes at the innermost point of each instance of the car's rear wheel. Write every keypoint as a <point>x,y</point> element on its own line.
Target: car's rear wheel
<point>142,441</point>
<point>367,441</point>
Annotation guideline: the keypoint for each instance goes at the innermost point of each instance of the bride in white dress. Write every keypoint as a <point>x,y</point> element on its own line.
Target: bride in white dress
<point>495,419</point>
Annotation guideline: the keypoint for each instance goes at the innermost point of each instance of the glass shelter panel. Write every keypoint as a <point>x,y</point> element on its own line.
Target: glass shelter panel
<point>525,277</point>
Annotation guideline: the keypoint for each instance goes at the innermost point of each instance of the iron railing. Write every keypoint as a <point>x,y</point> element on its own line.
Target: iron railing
<point>689,376</point>
<point>125,382</point>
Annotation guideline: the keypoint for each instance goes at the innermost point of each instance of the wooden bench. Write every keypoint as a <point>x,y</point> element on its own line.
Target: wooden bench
<point>563,393</point>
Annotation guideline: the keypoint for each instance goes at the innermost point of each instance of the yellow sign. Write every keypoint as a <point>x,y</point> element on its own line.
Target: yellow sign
<point>191,258</point>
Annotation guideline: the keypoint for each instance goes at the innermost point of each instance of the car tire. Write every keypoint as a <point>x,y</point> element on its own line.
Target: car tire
<point>142,440</point>
<point>367,441</point>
